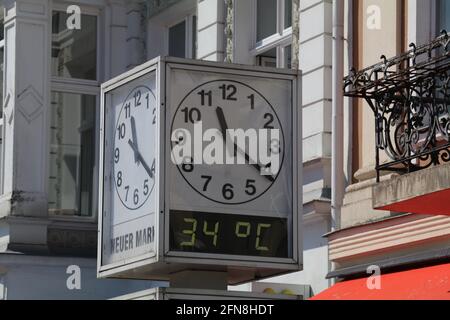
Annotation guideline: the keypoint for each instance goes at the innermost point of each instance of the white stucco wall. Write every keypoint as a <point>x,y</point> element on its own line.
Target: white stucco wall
<point>45,278</point>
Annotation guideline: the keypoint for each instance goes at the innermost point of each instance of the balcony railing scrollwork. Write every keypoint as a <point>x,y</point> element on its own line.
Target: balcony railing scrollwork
<point>410,98</point>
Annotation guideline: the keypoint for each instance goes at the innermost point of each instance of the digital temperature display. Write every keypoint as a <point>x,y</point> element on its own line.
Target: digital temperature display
<point>228,234</point>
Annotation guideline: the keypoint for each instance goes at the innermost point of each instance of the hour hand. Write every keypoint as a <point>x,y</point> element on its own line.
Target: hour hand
<point>134,138</point>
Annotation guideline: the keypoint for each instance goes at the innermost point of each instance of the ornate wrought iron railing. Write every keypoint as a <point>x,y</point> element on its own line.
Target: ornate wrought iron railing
<point>410,98</point>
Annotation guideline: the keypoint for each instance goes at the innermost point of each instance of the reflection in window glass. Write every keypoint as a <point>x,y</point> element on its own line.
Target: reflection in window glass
<point>2,55</point>
<point>72,154</point>
<point>288,57</point>
<point>266,18</point>
<point>267,59</point>
<point>287,13</point>
<point>443,15</point>
<point>1,120</point>
<point>74,52</point>
<point>2,29</point>
<point>177,40</point>
<point>194,37</point>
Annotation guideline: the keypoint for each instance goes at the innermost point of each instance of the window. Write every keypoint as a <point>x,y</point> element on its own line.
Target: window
<point>2,56</point>
<point>266,21</point>
<point>177,40</point>
<point>74,52</point>
<point>182,38</point>
<point>273,33</point>
<point>443,15</point>
<point>72,153</point>
<point>74,115</point>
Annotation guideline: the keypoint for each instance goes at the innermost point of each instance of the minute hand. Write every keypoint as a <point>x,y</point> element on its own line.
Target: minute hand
<point>141,159</point>
<point>223,129</point>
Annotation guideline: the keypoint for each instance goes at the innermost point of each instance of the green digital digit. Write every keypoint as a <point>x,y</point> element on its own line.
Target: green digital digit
<point>211,233</point>
<point>245,225</point>
<point>258,236</point>
<point>190,232</point>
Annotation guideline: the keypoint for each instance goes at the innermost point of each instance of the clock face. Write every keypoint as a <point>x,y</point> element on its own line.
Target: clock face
<point>134,155</point>
<point>223,105</point>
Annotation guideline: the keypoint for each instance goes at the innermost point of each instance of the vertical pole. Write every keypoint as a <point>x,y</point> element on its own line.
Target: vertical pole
<point>337,166</point>
<point>295,34</point>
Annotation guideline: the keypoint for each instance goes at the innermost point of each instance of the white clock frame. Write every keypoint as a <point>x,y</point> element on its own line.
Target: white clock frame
<point>160,264</point>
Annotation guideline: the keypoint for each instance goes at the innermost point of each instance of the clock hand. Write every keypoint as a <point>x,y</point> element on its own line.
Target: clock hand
<point>140,158</point>
<point>134,138</point>
<point>222,122</point>
<point>254,164</point>
<point>223,129</point>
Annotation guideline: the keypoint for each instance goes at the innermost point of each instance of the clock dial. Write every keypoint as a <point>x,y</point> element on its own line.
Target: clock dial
<point>134,158</point>
<point>224,105</point>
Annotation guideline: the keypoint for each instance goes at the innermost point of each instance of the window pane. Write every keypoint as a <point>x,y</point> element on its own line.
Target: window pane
<point>266,18</point>
<point>443,15</point>
<point>177,40</point>
<point>194,37</point>
<point>2,28</point>
<point>74,52</point>
<point>2,55</point>
<point>268,59</point>
<point>1,120</point>
<point>287,13</point>
<point>72,154</point>
<point>288,57</point>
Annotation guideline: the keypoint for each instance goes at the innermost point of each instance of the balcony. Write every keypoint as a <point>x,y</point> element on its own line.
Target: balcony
<point>410,99</point>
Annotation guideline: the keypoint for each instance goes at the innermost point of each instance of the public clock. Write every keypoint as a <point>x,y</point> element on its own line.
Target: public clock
<point>225,105</point>
<point>134,158</point>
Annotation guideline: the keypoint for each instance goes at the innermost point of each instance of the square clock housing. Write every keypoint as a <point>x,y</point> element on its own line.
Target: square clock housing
<point>200,170</point>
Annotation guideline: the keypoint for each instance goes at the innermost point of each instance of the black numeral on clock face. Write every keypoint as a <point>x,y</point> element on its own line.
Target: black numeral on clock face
<point>228,92</point>
<point>136,196</point>
<point>188,167</point>
<point>127,110</point>
<point>227,191</point>
<point>252,101</point>
<point>122,130</point>
<point>207,181</point>
<point>250,188</point>
<point>192,115</point>
<point>119,178</point>
<point>116,155</point>
<point>269,117</point>
<point>137,98</point>
<point>203,94</point>
<point>146,189</point>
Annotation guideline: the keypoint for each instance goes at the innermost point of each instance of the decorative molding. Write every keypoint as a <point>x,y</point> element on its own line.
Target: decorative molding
<point>30,103</point>
<point>394,233</point>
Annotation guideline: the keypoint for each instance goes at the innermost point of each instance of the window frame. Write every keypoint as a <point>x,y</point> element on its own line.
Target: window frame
<point>84,87</point>
<point>189,47</point>
<point>87,10</point>
<point>2,133</point>
<point>279,40</point>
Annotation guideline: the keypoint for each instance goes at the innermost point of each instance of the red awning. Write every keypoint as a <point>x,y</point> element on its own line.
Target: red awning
<point>432,283</point>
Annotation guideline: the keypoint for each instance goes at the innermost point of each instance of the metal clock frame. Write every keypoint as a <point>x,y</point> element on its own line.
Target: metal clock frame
<point>160,264</point>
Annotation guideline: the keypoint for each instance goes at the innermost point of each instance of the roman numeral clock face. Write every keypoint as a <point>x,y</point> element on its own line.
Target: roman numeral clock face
<point>222,106</point>
<point>134,158</point>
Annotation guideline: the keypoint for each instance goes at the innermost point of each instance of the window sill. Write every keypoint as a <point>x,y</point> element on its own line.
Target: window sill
<point>275,40</point>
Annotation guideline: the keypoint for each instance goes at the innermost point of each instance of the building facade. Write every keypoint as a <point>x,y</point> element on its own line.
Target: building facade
<point>394,219</point>
<point>56,53</point>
